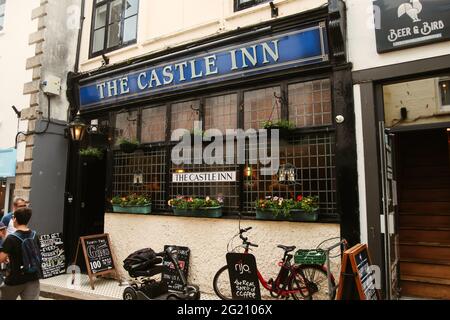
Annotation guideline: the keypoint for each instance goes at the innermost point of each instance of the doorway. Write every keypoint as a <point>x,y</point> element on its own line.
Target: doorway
<point>423,189</point>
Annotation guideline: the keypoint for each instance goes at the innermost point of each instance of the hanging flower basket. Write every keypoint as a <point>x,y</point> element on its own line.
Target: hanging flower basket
<point>128,146</point>
<point>90,155</point>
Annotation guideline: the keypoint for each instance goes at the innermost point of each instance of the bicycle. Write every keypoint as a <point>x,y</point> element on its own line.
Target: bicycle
<point>321,282</point>
<point>289,282</point>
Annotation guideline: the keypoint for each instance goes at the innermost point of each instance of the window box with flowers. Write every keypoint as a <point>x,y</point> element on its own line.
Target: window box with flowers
<point>276,208</point>
<point>133,203</point>
<point>197,207</point>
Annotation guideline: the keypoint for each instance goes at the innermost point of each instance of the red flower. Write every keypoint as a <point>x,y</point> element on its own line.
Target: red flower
<point>299,198</point>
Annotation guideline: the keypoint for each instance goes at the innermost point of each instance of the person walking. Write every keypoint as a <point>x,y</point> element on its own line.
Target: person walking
<point>7,218</point>
<point>21,250</point>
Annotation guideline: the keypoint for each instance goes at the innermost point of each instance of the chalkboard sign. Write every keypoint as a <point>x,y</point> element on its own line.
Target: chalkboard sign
<point>243,276</point>
<point>170,274</point>
<point>357,280</point>
<point>98,256</point>
<point>52,252</point>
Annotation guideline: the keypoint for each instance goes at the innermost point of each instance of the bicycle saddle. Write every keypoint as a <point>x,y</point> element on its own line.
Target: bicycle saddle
<point>287,248</point>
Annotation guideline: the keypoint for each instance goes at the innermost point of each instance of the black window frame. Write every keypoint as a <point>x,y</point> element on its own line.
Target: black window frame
<point>242,6</point>
<point>122,44</point>
<point>2,14</point>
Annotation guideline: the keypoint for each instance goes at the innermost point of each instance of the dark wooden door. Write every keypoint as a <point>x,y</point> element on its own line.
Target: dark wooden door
<point>424,191</point>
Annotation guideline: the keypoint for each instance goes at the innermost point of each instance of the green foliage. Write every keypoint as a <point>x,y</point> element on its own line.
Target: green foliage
<point>189,203</point>
<point>279,124</point>
<point>131,200</point>
<point>128,141</point>
<point>91,152</point>
<point>283,206</point>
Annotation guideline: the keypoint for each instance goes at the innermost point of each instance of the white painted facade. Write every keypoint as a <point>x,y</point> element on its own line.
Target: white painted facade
<point>362,53</point>
<point>361,41</point>
<point>14,50</point>
<point>169,23</point>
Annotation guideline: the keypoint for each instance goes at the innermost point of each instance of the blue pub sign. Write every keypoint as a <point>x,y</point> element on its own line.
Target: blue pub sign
<point>280,52</point>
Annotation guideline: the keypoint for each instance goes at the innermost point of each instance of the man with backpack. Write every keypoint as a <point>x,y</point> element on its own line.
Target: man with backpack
<point>21,250</point>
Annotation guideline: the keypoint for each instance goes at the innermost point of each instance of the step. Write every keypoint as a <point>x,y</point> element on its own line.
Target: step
<point>429,280</point>
<point>425,251</point>
<point>425,172</point>
<point>424,290</point>
<point>431,207</point>
<point>441,236</point>
<point>413,195</point>
<point>424,219</point>
<point>428,270</point>
<point>429,183</point>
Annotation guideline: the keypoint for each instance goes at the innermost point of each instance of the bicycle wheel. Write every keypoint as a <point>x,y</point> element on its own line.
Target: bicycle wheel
<point>318,282</point>
<point>221,284</point>
<point>299,284</point>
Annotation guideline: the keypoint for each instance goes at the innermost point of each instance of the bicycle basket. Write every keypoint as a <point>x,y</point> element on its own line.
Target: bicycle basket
<point>315,256</point>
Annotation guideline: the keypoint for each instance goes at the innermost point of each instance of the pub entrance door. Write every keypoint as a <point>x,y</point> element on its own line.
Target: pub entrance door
<point>423,163</point>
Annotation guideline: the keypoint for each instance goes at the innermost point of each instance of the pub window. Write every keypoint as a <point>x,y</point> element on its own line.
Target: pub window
<point>153,125</point>
<point>260,106</point>
<point>310,103</point>
<point>221,112</point>
<point>312,158</point>
<point>2,14</point>
<point>151,164</point>
<point>244,4</point>
<point>184,115</point>
<point>126,126</point>
<point>114,25</point>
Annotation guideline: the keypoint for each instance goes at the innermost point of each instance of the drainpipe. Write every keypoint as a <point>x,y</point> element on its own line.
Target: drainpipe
<point>80,35</point>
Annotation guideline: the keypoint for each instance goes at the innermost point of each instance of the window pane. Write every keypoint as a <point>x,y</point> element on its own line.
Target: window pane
<point>444,87</point>
<point>115,12</point>
<point>2,7</point>
<point>129,29</point>
<point>131,8</point>
<point>261,105</point>
<point>100,17</point>
<point>153,125</point>
<point>2,19</point>
<point>99,40</point>
<point>220,112</point>
<point>126,126</point>
<point>114,35</point>
<point>183,116</point>
<point>310,103</point>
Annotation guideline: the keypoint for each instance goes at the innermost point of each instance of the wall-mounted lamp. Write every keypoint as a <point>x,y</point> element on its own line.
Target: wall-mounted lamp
<point>77,128</point>
<point>248,171</point>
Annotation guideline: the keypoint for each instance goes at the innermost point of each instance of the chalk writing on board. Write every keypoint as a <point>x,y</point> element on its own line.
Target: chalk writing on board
<point>53,257</point>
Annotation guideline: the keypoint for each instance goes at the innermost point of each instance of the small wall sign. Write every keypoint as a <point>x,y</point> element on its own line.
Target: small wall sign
<point>199,177</point>
<point>401,24</point>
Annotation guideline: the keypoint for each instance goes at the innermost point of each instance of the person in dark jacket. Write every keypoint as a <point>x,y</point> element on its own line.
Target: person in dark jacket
<point>19,281</point>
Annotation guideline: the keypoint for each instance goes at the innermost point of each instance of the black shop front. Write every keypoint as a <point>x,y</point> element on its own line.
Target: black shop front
<point>290,70</point>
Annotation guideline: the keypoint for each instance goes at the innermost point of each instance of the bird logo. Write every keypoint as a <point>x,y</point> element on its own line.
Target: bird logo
<point>412,9</point>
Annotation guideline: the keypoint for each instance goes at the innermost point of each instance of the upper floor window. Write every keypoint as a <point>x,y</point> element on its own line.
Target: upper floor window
<point>2,13</point>
<point>114,25</point>
<point>244,4</point>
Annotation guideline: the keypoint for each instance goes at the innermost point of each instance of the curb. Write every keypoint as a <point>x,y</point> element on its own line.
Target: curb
<point>58,293</point>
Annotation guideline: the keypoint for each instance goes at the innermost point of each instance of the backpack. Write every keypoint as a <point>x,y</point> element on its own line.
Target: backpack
<point>31,255</point>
